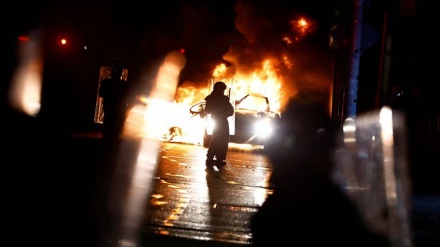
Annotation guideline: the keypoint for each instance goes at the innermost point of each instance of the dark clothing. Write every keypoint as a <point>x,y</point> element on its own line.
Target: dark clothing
<point>114,92</point>
<point>218,146</point>
<point>316,211</point>
<point>315,214</point>
<point>218,105</point>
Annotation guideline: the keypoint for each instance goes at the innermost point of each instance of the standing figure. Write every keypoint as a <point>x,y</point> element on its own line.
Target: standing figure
<point>114,91</point>
<point>218,105</point>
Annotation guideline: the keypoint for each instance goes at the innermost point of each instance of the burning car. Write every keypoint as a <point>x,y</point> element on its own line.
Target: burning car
<point>174,126</point>
<point>251,122</point>
<point>253,119</point>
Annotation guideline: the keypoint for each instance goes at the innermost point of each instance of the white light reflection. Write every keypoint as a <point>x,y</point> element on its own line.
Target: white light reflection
<point>25,91</point>
<point>261,191</point>
<point>373,165</point>
<point>198,194</point>
<point>163,89</point>
<point>201,190</point>
<point>349,129</point>
<point>386,123</point>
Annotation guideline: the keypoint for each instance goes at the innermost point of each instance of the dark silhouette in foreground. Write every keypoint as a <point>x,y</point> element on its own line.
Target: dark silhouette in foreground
<point>315,210</point>
<point>218,105</point>
<point>114,91</point>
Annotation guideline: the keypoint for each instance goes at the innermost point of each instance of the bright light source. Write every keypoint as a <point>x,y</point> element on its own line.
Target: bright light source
<point>263,127</point>
<point>25,91</point>
<point>210,125</point>
<point>63,41</point>
<point>23,38</point>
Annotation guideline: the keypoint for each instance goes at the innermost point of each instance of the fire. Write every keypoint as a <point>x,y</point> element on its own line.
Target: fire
<point>219,70</point>
<point>287,62</point>
<point>287,40</point>
<point>269,74</point>
<point>178,124</point>
<point>302,25</point>
<point>299,28</point>
<point>263,80</point>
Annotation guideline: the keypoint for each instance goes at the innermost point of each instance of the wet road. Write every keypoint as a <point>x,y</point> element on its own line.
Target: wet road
<point>187,201</point>
<point>187,206</point>
<point>52,182</point>
<point>164,188</point>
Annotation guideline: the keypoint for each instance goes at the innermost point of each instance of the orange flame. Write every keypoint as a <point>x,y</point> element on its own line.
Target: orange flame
<point>265,78</point>
<point>299,27</point>
<point>219,70</point>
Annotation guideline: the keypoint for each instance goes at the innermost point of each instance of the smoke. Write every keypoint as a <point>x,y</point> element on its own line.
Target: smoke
<point>265,31</point>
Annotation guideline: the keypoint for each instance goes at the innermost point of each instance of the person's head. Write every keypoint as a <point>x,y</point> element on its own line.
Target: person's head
<point>117,71</point>
<point>220,87</point>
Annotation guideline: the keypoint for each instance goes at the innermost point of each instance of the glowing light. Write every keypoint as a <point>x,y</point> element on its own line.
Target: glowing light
<point>287,40</point>
<point>23,38</point>
<point>303,23</point>
<point>386,122</point>
<point>163,90</point>
<point>263,79</point>
<point>25,90</point>
<point>300,25</point>
<point>349,130</point>
<point>210,125</point>
<point>263,128</point>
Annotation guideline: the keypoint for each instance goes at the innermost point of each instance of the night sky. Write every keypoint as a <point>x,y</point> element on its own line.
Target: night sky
<point>139,34</point>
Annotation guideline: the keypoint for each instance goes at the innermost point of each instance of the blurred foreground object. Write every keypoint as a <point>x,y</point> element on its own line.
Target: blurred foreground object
<point>24,94</point>
<point>317,211</point>
<point>372,166</point>
<point>135,162</point>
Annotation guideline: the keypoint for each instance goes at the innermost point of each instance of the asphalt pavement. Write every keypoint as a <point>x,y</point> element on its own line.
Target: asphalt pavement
<point>51,179</point>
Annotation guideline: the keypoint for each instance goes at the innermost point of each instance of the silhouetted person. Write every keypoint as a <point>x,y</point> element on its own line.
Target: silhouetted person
<point>114,91</point>
<point>218,105</point>
<point>306,207</point>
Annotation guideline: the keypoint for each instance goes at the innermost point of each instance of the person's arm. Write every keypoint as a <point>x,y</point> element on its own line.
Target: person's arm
<point>208,106</point>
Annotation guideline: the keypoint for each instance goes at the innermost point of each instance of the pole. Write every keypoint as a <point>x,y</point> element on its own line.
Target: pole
<point>351,105</point>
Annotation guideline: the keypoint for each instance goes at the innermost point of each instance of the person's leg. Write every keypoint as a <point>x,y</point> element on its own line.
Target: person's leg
<point>210,154</point>
<point>215,146</point>
<point>222,144</point>
<point>209,158</point>
<point>222,152</point>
